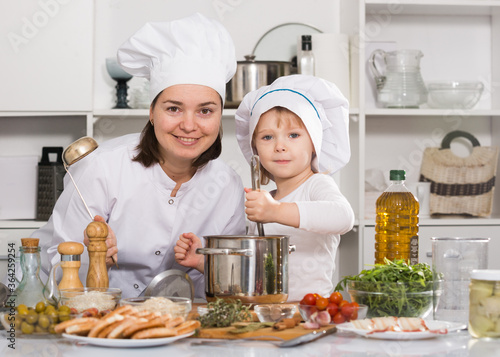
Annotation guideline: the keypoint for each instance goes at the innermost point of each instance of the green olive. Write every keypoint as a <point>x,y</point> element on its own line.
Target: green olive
<point>31,318</point>
<point>40,329</point>
<point>64,317</point>
<point>52,328</point>
<point>22,314</point>
<point>27,328</point>
<point>43,321</point>
<point>49,309</point>
<point>22,308</point>
<point>64,309</point>
<point>53,317</point>
<point>40,307</point>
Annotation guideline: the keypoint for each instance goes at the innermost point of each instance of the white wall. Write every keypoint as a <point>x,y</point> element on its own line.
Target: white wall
<point>246,20</point>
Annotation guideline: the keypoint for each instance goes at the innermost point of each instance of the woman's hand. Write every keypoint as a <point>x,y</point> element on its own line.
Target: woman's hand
<point>185,252</point>
<point>111,243</point>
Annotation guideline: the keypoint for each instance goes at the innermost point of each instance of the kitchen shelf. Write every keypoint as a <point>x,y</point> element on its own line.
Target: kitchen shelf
<point>432,112</point>
<point>433,7</point>
<point>456,221</point>
<point>21,223</point>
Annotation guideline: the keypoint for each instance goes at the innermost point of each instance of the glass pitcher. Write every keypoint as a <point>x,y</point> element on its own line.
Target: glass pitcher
<point>402,85</point>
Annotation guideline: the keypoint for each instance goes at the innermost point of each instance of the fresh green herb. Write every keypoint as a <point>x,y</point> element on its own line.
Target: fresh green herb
<point>393,289</point>
<point>222,313</point>
<point>270,274</point>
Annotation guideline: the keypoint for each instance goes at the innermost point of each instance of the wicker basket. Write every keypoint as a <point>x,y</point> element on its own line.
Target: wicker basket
<point>460,185</point>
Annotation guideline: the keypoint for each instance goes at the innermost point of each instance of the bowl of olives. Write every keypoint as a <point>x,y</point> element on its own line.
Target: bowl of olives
<point>36,321</point>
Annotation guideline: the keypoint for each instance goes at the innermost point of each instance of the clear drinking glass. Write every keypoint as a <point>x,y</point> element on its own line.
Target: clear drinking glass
<point>453,259</point>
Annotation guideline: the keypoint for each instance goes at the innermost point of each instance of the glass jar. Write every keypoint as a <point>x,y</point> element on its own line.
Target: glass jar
<point>30,290</point>
<point>484,303</point>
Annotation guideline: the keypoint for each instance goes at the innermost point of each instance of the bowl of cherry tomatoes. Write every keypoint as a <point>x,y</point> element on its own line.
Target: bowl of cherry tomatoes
<point>333,309</point>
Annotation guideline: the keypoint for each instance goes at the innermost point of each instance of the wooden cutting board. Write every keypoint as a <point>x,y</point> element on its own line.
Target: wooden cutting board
<point>288,334</point>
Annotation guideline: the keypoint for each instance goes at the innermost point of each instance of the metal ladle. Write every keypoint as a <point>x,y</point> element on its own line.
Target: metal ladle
<point>255,168</point>
<point>75,152</point>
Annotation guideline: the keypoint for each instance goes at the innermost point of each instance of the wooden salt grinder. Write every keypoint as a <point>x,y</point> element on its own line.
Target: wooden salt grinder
<point>97,275</point>
<point>70,263</point>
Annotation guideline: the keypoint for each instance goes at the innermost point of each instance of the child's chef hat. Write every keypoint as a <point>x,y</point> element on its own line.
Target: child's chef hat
<point>191,50</point>
<point>320,105</point>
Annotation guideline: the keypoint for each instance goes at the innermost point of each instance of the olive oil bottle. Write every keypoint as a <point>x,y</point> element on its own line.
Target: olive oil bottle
<point>396,226</point>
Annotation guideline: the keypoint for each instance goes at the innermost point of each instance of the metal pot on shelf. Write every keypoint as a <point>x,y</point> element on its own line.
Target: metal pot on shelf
<point>251,75</point>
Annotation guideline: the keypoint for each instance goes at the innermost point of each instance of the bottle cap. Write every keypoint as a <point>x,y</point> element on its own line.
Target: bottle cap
<point>397,175</point>
<point>306,43</point>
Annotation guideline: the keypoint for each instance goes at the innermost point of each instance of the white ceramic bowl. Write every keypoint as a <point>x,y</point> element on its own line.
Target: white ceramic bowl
<point>454,95</point>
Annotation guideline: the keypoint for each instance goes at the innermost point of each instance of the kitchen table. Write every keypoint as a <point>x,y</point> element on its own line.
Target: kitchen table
<point>339,344</point>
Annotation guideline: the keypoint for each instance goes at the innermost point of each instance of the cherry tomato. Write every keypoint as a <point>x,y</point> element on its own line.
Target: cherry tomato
<point>342,303</point>
<point>336,297</point>
<point>347,310</point>
<point>354,315</point>
<point>338,318</point>
<point>354,303</point>
<point>332,309</point>
<point>321,303</point>
<point>309,299</point>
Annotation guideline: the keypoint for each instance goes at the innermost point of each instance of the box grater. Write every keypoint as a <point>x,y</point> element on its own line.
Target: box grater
<point>50,182</point>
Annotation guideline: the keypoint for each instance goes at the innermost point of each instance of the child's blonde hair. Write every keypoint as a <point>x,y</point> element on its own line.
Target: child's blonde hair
<point>285,117</point>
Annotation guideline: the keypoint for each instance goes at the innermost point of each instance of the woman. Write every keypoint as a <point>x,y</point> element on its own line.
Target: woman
<point>152,188</point>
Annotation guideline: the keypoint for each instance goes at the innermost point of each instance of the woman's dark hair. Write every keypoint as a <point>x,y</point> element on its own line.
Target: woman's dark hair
<point>149,154</point>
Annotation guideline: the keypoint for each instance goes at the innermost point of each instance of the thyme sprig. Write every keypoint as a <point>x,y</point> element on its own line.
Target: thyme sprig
<point>222,313</point>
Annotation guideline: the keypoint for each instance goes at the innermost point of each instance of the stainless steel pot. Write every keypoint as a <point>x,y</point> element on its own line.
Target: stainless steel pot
<point>253,269</point>
<point>251,75</point>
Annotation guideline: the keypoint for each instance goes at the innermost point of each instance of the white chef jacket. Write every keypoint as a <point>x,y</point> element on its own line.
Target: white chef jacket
<point>325,214</point>
<point>135,201</point>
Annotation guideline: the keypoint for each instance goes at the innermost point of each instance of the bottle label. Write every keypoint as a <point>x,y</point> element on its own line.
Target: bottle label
<point>414,250</point>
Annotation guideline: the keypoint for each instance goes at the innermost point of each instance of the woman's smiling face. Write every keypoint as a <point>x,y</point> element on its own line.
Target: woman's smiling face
<point>187,119</point>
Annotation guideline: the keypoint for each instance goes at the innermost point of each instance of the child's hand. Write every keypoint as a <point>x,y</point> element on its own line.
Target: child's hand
<point>260,206</point>
<point>185,252</point>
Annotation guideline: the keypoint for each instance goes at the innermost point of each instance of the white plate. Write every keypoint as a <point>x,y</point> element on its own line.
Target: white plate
<point>391,335</point>
<point>110,342</point>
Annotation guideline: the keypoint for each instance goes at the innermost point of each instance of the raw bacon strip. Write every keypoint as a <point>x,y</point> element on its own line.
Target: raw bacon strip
<point>395,324</point>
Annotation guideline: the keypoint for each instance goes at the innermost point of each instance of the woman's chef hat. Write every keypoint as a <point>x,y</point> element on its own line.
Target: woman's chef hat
<point>319,103</point>
<point>191,50</point>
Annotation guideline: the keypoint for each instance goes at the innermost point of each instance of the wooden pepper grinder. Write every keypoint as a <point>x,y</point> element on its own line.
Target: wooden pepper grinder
<point>97,275</point>
<point>70,263</point>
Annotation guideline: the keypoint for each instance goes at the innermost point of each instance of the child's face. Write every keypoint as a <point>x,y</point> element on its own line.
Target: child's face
<point>283,144</point>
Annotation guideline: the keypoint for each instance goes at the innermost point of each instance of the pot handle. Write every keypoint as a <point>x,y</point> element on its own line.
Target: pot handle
<point>291,248</point>
<point>224,251</point>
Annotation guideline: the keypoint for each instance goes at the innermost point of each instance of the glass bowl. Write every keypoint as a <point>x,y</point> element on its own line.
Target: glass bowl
<point>358,312</point>
<point>175,306</point>
<point>35,322</point>
<point>81,299</point>
<point>454,95</point>
<point>395,299</point>
<point>274,312</point>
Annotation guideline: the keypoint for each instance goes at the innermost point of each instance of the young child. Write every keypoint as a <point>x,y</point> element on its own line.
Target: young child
<point>299,128</point>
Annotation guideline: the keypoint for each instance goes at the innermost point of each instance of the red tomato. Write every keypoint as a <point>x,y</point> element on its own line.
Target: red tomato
<point>338,318</point>
<point>354,315</point>
<point>342,303</point>
<point>321,303</point>
<point>309,299</point>
<point>332,309</point>
<point>347,310</point>
<point>336,297</point>
<point>354,303</point>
